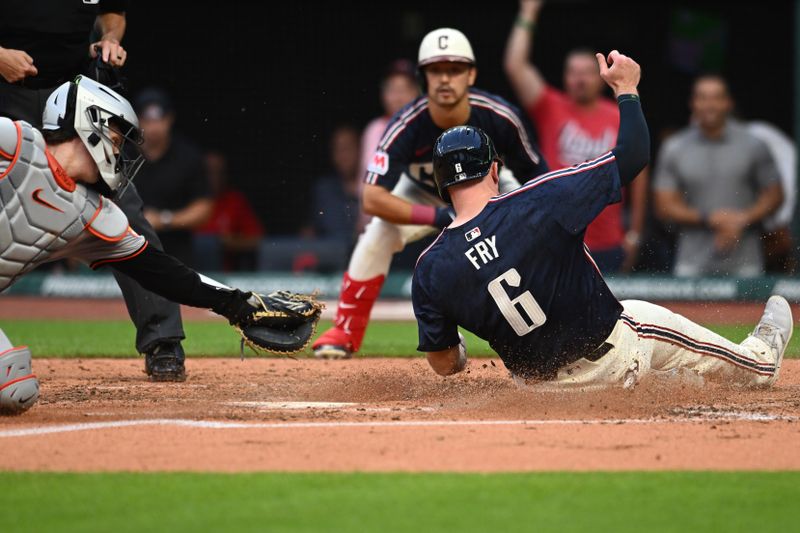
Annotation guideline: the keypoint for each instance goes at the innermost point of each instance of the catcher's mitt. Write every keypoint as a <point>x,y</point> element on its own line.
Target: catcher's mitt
<point>283,323</point>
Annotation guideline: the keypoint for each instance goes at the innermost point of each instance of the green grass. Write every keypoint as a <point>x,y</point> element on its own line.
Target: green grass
<point>94,338</point>
<point>541,502</point>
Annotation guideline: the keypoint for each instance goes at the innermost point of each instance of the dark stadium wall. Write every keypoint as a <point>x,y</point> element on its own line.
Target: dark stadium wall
<point>266,82</point>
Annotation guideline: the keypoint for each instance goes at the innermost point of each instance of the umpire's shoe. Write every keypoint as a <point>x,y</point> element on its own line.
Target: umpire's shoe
<point>164,361</point>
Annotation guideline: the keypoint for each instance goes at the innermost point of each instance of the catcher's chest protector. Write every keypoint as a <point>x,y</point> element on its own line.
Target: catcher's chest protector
<point>41,209</point>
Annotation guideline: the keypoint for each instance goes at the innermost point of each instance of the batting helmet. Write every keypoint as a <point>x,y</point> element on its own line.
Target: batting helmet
<point>461,154</point>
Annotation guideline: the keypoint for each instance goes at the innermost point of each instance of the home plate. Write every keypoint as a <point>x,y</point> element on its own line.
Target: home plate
<point>285,406</point>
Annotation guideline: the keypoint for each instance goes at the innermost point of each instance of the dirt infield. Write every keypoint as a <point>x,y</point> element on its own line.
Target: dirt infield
<point>383,414</point>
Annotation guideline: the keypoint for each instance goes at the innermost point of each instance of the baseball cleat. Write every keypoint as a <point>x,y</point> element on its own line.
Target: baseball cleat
<point>165,362</point>
<point>19,388</point>
<point>332,351</point>
<point>333,344</point>
<point>775,329</point>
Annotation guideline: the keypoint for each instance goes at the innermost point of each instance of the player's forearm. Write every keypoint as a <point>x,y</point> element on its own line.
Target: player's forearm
<point>671,207</point>
<point>632,151</point>
<point>111,26</point>
<point>193,216</point>
<point>164,275</point>
<point>767,203</point>
<point>526,79</point>
<point>379,202</point>
<point>639,201</point>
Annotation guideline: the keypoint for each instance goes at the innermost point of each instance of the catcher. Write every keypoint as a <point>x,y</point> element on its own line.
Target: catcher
<point>53,204</point>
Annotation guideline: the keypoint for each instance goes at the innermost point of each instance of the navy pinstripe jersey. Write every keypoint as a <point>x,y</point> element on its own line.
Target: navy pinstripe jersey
<point>519,275</point>
<point>407,143</point>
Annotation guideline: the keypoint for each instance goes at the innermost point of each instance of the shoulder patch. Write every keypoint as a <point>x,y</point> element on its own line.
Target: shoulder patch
<point>379,164</point>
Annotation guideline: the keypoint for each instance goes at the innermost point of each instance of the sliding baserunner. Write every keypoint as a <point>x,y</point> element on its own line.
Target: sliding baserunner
<point>513,269</point>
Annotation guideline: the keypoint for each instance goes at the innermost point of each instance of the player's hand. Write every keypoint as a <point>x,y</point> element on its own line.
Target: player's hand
<point>620,72</point>
<point>110,50</point>
<point>631,247</point>
<point>16,65</point>
<point>728,226</point>
<point>444,216</point>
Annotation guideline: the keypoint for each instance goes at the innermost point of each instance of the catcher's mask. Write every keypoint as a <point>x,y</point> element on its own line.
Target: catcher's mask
<point>93,111</point>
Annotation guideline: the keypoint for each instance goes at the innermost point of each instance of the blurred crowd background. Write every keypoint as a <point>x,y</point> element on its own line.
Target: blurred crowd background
<point>258,118</point>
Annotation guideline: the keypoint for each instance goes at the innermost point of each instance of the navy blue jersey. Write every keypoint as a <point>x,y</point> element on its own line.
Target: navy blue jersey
<point>407,143</point>
<point>519,275</point>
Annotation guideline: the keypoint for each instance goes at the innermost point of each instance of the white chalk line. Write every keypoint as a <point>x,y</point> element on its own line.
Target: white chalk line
<point>325,406</point>
<point>218,424</point>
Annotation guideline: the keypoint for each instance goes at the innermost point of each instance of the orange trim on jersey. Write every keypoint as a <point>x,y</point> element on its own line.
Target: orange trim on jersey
<point>16,153</point>
<point>102,262</point>
<point>96,212</point>
<point>88,227</point>
<point>60,175</point>
<point>4,154</point>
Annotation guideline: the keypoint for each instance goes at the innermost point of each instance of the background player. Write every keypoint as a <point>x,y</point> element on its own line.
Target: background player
<point>50,208</point>
<point>400,191</point>
<point>513,269</point>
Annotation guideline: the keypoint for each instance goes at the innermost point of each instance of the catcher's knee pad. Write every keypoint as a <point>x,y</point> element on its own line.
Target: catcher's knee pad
<point>19,388</point>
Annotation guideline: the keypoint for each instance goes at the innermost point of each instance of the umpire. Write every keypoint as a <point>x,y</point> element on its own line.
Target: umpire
<point>43,44</point>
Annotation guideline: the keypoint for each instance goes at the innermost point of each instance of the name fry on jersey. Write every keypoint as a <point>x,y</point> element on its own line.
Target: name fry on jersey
<point>485,250</point>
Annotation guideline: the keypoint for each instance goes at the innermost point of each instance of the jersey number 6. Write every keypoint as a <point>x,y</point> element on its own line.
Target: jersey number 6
<point>508,307</point>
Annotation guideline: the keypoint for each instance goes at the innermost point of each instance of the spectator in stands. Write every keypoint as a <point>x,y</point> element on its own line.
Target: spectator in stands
<point>398,89</point>
<point>778,243</point>
<point>718,183</point>
<point>335,208</point>
<point>230,238</point>
<point>173,182</point>
<point>326,240</point>
<point>574,126</point>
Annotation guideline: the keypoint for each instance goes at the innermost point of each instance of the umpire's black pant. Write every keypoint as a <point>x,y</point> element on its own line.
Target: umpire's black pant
<point>156,318</point>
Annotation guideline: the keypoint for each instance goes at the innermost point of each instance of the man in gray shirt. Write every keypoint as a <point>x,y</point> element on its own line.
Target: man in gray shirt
<point>718,182</point>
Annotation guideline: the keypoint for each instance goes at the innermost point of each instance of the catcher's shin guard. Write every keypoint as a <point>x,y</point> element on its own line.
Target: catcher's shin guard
<point>352,315</point>
<point>19,388</point>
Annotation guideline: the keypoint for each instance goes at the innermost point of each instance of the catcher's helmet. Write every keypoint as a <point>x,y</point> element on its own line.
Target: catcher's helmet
<point>90,110</point>
<point>461,154</point>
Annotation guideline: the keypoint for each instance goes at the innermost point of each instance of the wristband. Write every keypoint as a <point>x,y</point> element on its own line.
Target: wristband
<point>526,24</point>
<point>423,215</point>
<point>628,98</point>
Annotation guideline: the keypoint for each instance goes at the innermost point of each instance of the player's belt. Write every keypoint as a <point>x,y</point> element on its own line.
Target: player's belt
<point>598,352</point>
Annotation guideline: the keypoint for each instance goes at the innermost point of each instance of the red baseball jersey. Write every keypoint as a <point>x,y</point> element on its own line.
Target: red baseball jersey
<point>569,135</point>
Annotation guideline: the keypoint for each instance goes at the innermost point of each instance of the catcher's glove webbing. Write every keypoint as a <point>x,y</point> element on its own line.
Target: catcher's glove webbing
<point>283,323</point>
